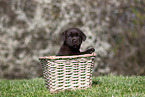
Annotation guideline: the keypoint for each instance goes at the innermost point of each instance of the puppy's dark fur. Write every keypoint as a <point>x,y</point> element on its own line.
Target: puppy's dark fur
<point>72,39</point>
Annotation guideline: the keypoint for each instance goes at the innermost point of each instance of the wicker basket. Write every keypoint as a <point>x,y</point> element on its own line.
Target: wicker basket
<point>67,72</point>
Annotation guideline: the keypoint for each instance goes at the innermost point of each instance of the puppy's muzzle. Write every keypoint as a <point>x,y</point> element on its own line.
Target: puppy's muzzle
<point>74,41</point>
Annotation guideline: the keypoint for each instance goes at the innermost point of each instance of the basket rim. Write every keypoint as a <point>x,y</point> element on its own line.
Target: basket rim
<point>67,57</point>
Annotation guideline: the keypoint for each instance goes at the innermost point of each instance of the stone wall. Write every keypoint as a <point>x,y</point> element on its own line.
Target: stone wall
<point>31,28</point>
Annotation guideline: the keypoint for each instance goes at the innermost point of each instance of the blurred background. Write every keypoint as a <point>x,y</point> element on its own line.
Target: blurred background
<point>30,29</point>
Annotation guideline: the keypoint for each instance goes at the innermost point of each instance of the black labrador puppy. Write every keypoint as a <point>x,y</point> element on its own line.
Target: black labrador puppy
<point>72,39</point>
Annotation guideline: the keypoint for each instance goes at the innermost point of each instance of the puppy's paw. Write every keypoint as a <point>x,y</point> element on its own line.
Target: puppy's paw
<point>91,50</point>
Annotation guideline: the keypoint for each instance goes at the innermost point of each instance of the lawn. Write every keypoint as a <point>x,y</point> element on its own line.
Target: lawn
<point>103,86</point>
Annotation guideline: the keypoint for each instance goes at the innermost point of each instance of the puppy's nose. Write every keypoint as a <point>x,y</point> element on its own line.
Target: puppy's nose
<point>74,41</point>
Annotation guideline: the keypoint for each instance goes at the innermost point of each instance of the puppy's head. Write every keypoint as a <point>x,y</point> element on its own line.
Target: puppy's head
<point>73,37</point>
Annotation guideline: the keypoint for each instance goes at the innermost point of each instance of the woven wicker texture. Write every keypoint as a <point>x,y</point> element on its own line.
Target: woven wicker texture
<point>67,72</point>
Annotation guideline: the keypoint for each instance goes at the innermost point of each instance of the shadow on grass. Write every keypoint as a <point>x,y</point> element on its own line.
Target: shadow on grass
<point>96,82</point>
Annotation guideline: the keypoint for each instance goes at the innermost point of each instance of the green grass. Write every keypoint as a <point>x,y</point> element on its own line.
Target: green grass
<point>103,86</point>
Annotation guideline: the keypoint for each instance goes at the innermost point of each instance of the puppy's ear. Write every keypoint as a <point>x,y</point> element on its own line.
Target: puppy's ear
<point>63,35</point>
<point>83,36</point>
